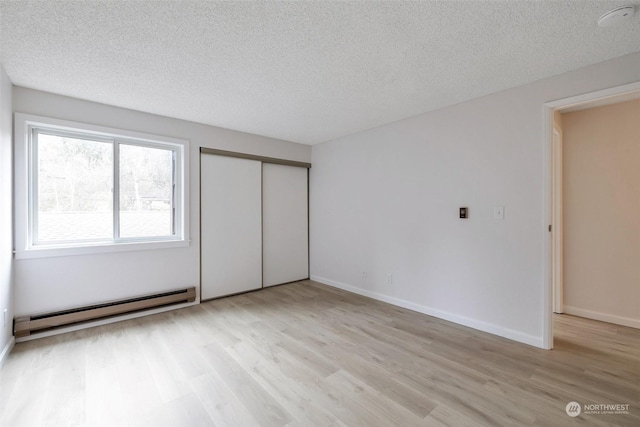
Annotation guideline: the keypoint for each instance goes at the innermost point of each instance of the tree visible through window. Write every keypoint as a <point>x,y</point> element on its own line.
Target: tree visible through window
<point>74,189</point>
<point>77,197</point>
<point>146,187</point>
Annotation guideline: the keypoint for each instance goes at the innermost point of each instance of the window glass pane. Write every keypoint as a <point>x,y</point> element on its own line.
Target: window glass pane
<point>74,189</point>
<point>146,188</point>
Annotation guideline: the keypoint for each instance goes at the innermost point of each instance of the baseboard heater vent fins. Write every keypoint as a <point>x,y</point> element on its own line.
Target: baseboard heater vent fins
<point>28,325</point>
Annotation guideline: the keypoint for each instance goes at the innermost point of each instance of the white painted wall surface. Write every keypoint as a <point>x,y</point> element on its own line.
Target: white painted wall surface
<point>6,230</point>
<point>386,201</point>
<point>47,284</point>
<point>601,212</point>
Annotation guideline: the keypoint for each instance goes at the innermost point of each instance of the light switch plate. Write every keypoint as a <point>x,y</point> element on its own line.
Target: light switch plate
<point>498,212</point>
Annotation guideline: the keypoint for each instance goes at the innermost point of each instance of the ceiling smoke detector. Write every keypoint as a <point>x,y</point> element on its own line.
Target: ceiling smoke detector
<point>616,16</point>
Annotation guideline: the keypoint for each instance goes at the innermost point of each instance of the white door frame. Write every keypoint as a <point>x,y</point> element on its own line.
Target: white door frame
<point>548,213</point>
<point>557,260</point>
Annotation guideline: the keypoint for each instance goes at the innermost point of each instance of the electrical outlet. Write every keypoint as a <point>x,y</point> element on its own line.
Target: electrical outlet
<point>390,279</point>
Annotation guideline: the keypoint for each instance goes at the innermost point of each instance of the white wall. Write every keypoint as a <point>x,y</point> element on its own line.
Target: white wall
<point>6,229</point>
<point>386,201</point>
<point>46,284</point>
<point>601,210</point>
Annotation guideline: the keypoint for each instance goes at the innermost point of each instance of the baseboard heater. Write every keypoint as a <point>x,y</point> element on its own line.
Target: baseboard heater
<point>28,325</point>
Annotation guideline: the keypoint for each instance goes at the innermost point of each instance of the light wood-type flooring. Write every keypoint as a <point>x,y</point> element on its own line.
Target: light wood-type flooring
<point>306,354</point>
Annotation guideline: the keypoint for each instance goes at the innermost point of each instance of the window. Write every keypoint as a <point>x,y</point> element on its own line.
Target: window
<point>90,189</point>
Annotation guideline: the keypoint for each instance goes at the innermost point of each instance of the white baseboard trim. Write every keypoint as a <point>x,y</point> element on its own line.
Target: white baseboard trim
<point>602,317</point>
<point>451,317</point>
<point>6,350</point>
<point>106,321</point>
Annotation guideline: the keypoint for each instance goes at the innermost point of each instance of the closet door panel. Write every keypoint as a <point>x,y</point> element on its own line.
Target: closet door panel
<point>231,231</point>
<point>285,224</point>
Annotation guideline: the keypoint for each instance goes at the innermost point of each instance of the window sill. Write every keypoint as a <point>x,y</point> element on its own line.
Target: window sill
<point>96,248</point>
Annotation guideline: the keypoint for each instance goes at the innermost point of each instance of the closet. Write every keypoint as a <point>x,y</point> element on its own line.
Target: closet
<point>254,222</point>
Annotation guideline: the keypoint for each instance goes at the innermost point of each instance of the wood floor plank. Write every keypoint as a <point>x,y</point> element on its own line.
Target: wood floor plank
<point>164,368</point>
<point>104,395</point>
<point>346,355</point>
<point>256,399</point>
<point>293,385</point>
<point>186,410</point>
<point>224,408</point>
<point>27,402</point>
<point>444,416</point>
<point>305,354</point>
<point>373,401</point>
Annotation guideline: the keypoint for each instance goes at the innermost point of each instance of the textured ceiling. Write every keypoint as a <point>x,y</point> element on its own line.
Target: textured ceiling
<point>301,71</point>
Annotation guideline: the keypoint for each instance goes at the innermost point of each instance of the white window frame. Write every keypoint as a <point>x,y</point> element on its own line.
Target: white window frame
<point>25,188</point>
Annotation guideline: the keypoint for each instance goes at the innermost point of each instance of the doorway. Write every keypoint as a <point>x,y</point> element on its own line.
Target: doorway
<point>553,259</point>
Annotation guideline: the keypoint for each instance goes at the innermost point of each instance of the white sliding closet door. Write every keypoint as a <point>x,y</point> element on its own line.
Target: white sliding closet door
<point>285,224</point>
<point>231,235</point>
